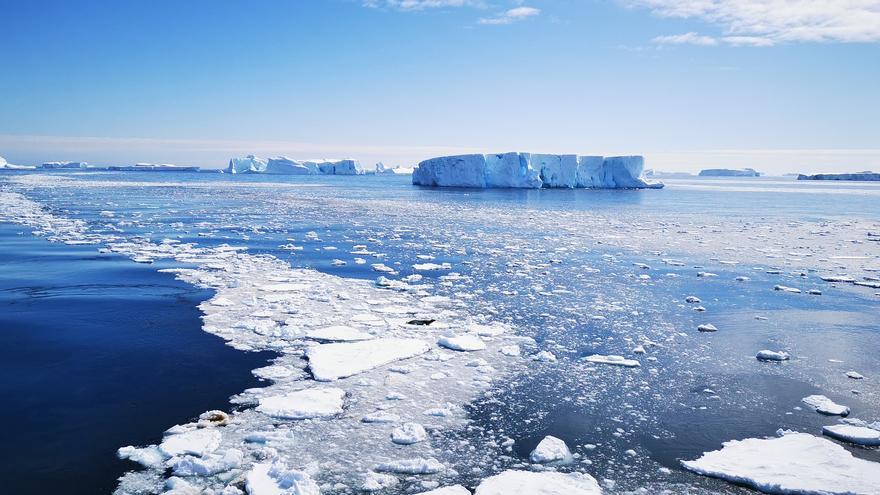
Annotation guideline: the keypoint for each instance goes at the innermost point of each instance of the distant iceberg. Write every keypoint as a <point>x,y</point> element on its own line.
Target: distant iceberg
<point>152,167</point>
<point>728,172</point>
<point>860,176</point>
<point>533,171</point>
<point>283,165</point>
<point>4,165</point>
<point>64,165</point>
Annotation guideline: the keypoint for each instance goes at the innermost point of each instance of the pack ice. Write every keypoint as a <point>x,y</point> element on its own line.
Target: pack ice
<point>283,165</point>
<point>533,171</point>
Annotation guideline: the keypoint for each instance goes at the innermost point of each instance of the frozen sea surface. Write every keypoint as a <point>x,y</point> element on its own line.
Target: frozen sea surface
<point>542,278</point>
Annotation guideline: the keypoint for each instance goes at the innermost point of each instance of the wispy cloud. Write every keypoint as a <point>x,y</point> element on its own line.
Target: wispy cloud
<point>510,16</point>
<point>421,4</point>
<point>769,22</point>
<point>690,38</point>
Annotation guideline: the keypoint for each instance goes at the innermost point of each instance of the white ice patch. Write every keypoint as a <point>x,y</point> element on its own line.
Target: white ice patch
<point>551,450</point>
<point>613,360</point>
<point>824,405</point>
<point>447,490</point>
<point>768,355</point>
<point>277,479</point>
<point>467,342</point>
<point>329,362</point>
<point>318,402</point>
<point>859,435</point>
<point>194,442</point>
<point>339,333</point>
<point>538,483</point>
<point>794,463</point>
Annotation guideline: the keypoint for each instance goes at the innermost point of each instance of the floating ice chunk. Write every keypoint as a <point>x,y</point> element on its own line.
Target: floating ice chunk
<point>447,490</point>
<point>426,267</point>
<point>613,360</point>
<point>277,479</point>
<point>339,333</point>
<point>838,278</point>
<point>767,355</point>
<point>824,405</point>
<point>374,482</point>
<point>467,342</point>
<point>513,482</point>
<point>859,435</point>
<point>194,442</point>
<point>544,357</point>
<point>551,450</point>
<point>208,465</point>
<point>412,466</point>
<point>408,434</point>
<point>150,457</point>
<point>318,402</point>
<point>334,361</point>
<point>793,463</point>
<point>510,350</point>
<point>707,327</point>
<point>783,288</point>
<point>692,299</point>
<point>380,417</point>
<point>855,375</point>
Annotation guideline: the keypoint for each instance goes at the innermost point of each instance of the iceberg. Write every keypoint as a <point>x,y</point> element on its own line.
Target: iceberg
<point>858,176</point>
<point>283,165</point>
<point>152,167</point>
<point>4,165</point>
<point>63,165</point>
<point>533,171</point>
<point>727,172</point>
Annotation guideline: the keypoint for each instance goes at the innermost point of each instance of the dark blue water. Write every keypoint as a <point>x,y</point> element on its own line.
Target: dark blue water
<point>97,352</point>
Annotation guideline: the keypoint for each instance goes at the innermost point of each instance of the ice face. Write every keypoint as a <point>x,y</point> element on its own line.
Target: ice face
<point>283,165</point>
<point>532,171</point>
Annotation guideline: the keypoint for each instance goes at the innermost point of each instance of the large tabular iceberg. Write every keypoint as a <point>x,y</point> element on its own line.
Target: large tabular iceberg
<point>283,165</point>
<point>527,170</point>
<point>727,172</point>
<point>56,165</point>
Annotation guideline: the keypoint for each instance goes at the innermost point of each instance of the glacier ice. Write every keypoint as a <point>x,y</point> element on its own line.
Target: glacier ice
<point>283,165</point>
<point>532,171</point>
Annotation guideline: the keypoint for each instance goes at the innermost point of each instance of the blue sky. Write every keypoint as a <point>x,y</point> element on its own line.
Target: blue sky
<point>781,86</point>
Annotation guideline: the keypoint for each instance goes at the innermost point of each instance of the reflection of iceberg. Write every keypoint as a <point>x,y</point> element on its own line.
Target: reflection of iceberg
<point>283,165</point>
<point>526,170</point>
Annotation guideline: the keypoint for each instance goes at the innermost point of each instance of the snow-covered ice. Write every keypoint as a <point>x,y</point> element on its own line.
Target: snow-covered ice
<point>613,360</point>
<point>318,402</point>
<point>551,450</point>
<point>860,435</point>
<point>824,405</point>
<point>795,463</point>
<point>329,362</point>
<point>768,355</point>
<point>514,482</point>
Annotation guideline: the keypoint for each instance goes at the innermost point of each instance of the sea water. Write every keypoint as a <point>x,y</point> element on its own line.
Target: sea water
<point>577,272</point>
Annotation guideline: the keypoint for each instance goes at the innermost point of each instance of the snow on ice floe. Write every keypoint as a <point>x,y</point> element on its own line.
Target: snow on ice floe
<point>340,333</point>
<point>859,435</point>
<point>329,362</point>
<point>466,343</point>
<point>447,490</point>
<point>513,482</point>
<point>527,170</point>
<point>824,405</point>
<point>551,450</point>
<point>795,463</point>
<point>318,402</point>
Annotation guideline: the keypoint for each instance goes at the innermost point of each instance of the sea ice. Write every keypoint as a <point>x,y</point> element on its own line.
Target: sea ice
<point>318,402</point>
<point>466,342</point>
<point>859,435</point>
<point>795,463</point>
<point>338,333</point>
<point>514,482</point>
<point>613,360</point>
<point>447,490</point>
<point>408,434</point>
<point>825,405</point>
<point>278,479</point>
<point>329,362</point>
<point>194,442</point>
<point>768,355</point>
<point>551,450</point>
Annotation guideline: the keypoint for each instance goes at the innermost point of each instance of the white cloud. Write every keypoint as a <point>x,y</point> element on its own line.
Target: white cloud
<point>690,38</point>
<point>511,16</point>
<point>767,22</point>
<point>421,4</point>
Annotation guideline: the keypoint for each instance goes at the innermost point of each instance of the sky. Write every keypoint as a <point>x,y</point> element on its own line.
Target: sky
<point>777,85</point>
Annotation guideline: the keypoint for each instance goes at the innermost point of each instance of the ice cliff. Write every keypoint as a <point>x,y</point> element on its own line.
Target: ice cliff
<point>528,170</point>
<point>283,165</point>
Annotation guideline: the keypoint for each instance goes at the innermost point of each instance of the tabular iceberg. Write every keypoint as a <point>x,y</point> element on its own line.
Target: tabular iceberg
<point>858,176</point>
<point>532,171</point>
<point>54,165</point>
<point>283,165</point>
<point>727,172</point>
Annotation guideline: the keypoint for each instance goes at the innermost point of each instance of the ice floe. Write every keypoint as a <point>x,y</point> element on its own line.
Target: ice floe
<point>795,463</point>
<point>329,362</point>
<point>824,405</point>
<point>551,450</point>
<point>859,435</point>
<point>538,483</point>
<point>318,402</point>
